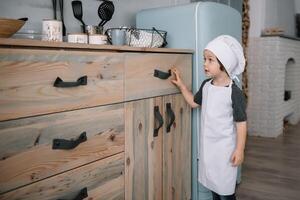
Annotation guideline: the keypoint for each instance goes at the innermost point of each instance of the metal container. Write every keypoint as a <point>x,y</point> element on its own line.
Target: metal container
<point>93,29</point>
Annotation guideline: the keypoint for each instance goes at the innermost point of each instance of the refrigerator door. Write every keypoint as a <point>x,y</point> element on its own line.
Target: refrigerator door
<point>178,21</point>
<point>192,26</point>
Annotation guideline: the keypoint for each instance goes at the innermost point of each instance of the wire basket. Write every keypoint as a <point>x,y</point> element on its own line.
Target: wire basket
<point>151,38</point>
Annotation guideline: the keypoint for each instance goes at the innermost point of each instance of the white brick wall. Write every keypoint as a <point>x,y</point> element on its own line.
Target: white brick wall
<point>267,61</point>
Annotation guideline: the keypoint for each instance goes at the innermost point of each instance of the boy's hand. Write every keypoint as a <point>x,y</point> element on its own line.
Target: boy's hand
<point>177,81</point>
<point>237,157</point>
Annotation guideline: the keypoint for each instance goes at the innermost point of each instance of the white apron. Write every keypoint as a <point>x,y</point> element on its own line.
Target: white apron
<point>217,140</point>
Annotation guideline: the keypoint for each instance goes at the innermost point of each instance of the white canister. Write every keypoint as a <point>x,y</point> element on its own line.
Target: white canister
<point>52,30</point>
<point>97,39</point>
<point>78,38</point>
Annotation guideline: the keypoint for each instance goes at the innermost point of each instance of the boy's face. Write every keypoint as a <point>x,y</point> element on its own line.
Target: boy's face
<point>212,67</point>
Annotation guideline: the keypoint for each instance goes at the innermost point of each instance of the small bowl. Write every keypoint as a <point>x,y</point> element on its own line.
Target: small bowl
<point>8,27</point>
<point>28,34</point>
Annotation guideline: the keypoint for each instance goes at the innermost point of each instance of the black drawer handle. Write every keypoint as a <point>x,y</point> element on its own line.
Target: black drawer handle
<point>61,84</point>
<point>81,195</point>
<point>158,118</point>
<point>68,144</point>
<point>161,74</point>
<point>171,117</point>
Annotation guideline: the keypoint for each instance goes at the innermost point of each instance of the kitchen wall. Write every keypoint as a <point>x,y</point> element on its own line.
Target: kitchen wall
<point>37,10</point>
<point>281,14</point>
<point>272,13</point>
<point>263,13</point>
<point>297,6</point>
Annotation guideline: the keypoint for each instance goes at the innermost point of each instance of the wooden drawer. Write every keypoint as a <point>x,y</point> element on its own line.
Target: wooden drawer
<point>103,179</point>
<point>26,145</point>
<point>27,78</point>
<point>140,81</point>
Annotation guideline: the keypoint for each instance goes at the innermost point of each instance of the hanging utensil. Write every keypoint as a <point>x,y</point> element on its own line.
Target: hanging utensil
<point>61,6</point>
<point>77,11</point>
<point>105,11</point>
<point>102,13</point>
<point>110,8</point>
<point>54,9</point>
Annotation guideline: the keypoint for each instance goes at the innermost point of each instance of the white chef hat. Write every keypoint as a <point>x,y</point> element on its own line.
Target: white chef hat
<point>229,52</point>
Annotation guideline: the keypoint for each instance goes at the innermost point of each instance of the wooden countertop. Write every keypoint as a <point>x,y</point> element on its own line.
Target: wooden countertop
<point>28,43</point>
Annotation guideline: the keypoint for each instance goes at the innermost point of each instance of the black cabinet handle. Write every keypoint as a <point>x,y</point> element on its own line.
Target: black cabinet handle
<point>68,144</point>
<point>171,116</point>
<point>61,84</point>
<point>161,74</point>
<point>158,118</point>
<point>81,195</point>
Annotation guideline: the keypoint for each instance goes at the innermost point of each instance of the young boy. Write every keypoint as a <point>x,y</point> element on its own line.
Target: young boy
<point>223,116</point>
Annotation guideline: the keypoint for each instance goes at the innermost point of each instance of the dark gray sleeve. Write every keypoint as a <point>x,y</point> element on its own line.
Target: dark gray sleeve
<point>198,95</point>
<point>238,104</point>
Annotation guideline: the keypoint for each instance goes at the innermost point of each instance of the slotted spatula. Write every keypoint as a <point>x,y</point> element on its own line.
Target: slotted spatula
<point>106,11</point>
<point>77,11</point>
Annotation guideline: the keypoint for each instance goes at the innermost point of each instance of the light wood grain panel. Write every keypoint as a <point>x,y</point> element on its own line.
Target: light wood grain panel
<point>65,186</point>
<point>112,190</point>
<point>27,154</point>
<point>177,150</point>
<point>143,156</point>
<point>139,70</point>
<point>27,77</point>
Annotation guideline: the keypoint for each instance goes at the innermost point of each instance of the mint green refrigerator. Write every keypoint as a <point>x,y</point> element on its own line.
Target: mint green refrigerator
<point>192,26</point>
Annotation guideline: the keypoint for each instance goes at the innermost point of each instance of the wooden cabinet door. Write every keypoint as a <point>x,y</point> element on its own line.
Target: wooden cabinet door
<point>176,148</point>
<point>158,164</point>
<point>143,150</point>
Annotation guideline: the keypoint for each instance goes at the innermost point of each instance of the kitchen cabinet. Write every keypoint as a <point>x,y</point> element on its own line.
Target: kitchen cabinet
<point>158,148</point>
<point>78,121</point>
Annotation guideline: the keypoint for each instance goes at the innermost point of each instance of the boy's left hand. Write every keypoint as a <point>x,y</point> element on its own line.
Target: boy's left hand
<point>237,157</point>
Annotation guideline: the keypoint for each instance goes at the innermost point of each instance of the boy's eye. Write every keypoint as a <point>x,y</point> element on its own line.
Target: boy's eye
<point>209,59</point>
